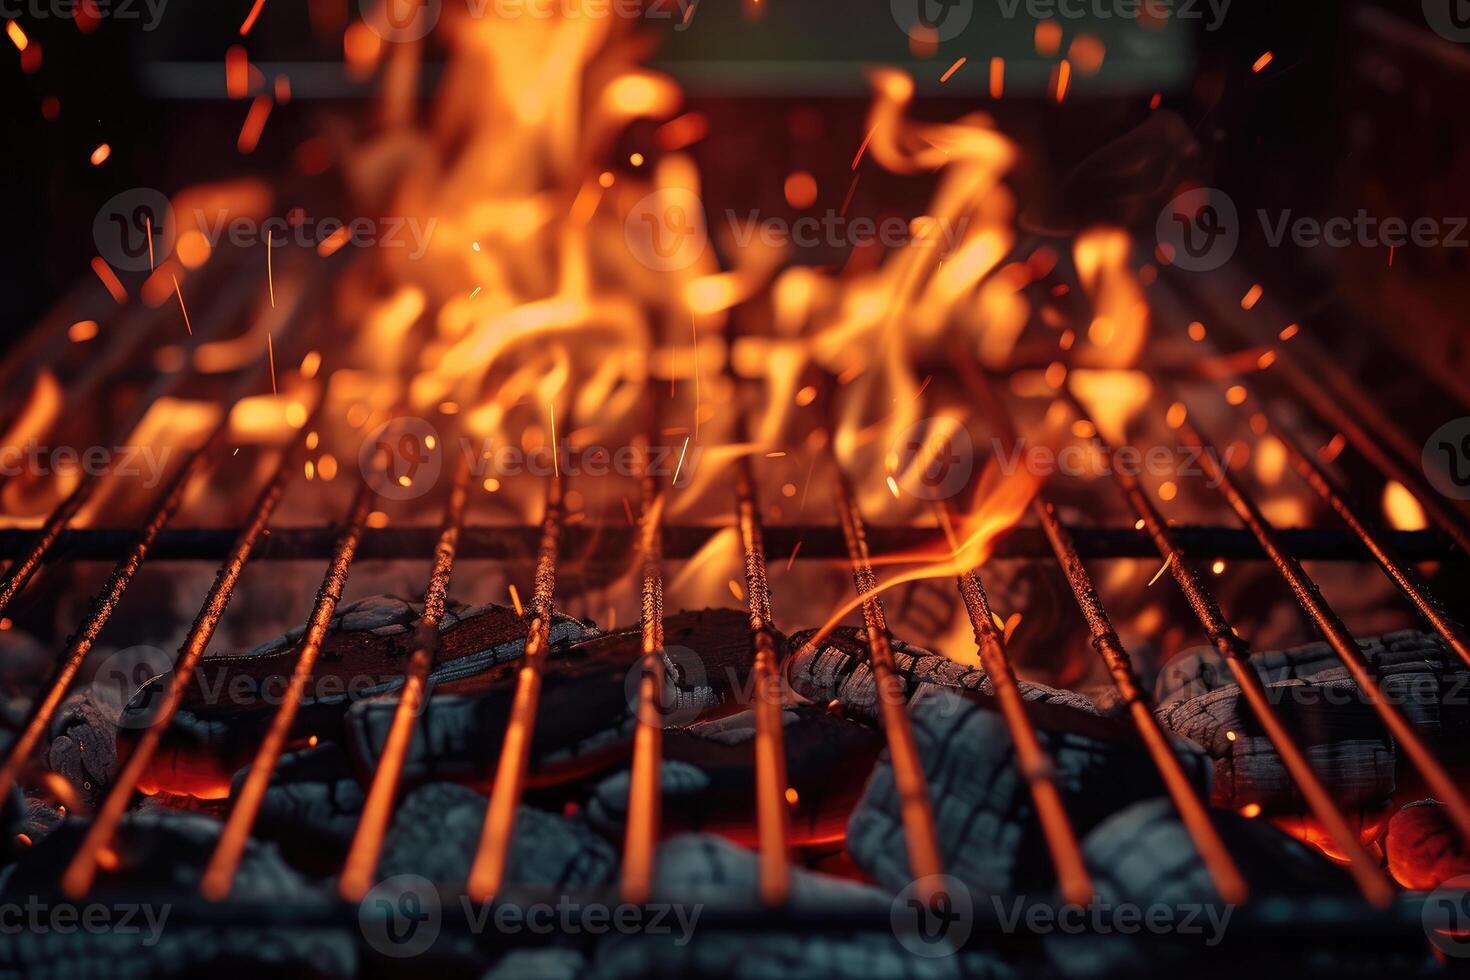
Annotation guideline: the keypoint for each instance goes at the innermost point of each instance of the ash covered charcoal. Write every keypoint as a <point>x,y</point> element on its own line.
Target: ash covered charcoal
<point>163,853</point>
<point>436,832</point>
<point>232,698</point>
<point>696,869</point>
<point>585,719</point>
<point>1423,847</point>
<point>838,670</point>
<point>311,808</point>
<point>1324,710</point>
<point>707,777</point>
<point>1143,859</point>
<point>84,746</point>
<point>988,834</point>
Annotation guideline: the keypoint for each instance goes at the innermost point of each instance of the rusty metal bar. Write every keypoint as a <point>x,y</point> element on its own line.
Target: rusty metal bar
<point>487,873</point>
<point>773,817</point>
<point>220,874</point>
<point>377,809</point>
<point>83,868</point>
<point>103,604</point>
<point>1236,653</point>
<point>645,794</point>
<point>908,769</point>
<point>1332,629</point>
<point>1032,760</point>
<point>1325,486</point>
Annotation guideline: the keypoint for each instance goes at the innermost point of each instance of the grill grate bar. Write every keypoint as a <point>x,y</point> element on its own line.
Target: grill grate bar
<point>83,867</point>
<point>377,808</point>
<point>1327,488</point>
<point>644,790</point>
<point>103,604</point>
<point>488,870</point>
<point>220,874</point>
<point>1236,653</point>
<point>772,814</point>
<point>916,810</point>
<point>1334,631</point>
<point>1031,759</point>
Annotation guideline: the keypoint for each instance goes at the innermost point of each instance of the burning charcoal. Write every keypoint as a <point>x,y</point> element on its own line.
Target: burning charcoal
<point>585,721</point>
<point>436,832</point>
<point>988,835</point>
<point>708,771</point>
<point>543,964</point>
<point>1143,858</point>
<point>697,869</point>
<point>84,746</point>
<point>838,670</point>
<point>1325,711</point>
<point>311,808</point>
<point>232,699</point>
<point>1424,848</point>
<point>163,853</point>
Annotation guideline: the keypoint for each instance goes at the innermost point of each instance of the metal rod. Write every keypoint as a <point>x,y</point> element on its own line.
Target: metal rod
<point>103,604</point>
<point>640,841</point>
<point>377,809</point>
<point>613,545</point>
<point>220,874</point>
<point>1333,631</point>
<point>1236,653</point>
<point>83,868</point>
<point>908,768</point>
<point>1032,760</point>
<point>487,873</point>
<point>1325,486</point>
<point>773,815</point>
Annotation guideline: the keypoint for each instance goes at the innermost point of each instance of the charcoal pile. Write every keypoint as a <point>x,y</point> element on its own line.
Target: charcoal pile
<point>846,827</point>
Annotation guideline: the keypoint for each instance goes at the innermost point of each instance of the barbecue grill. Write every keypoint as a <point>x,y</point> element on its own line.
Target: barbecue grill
<point>243,385</point>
